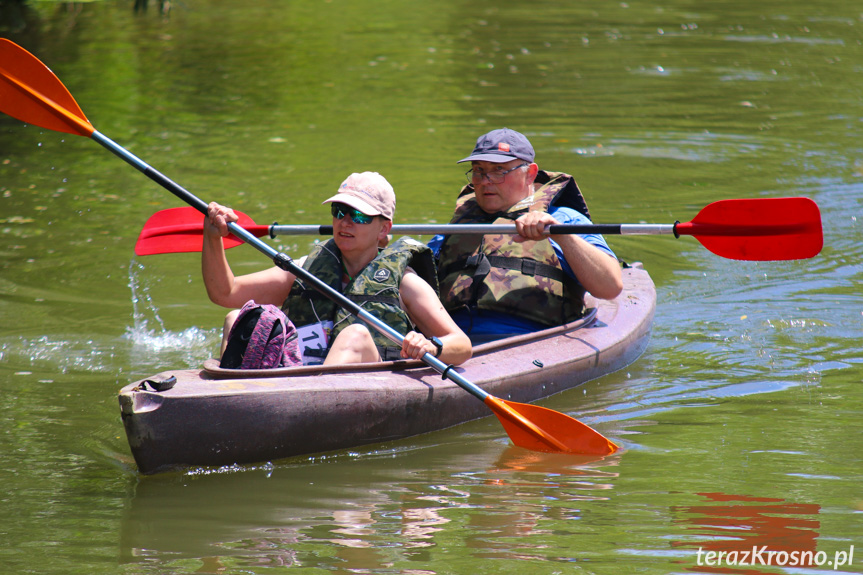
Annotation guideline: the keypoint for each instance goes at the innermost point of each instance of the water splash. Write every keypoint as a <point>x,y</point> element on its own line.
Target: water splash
<point>54,354</point>
<point>158,345</point>
<point>146,346</point>
<point>141,300</point>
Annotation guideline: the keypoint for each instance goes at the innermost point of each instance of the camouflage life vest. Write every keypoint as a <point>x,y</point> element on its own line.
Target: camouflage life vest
<point>375,289</point>
<point>494,273</point>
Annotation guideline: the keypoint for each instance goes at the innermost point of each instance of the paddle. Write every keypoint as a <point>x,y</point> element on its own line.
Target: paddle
<point>743,229</point>
<point>30,92</point>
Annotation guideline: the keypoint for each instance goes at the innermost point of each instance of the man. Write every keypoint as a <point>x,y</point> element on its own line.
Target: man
<point>384,282</point>
<point>495,286</point>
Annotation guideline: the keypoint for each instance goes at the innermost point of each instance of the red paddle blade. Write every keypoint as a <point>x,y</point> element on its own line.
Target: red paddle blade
<point>30,92</point>
<point>181,230</point>
<point>542,429</point>
<point>759,229</point>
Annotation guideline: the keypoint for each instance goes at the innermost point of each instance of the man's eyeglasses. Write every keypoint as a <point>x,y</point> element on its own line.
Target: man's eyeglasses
<point>339,211</point>
<point>496,177</point>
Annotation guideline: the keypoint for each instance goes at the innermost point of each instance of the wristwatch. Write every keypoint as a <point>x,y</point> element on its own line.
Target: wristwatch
<point>438,344</point>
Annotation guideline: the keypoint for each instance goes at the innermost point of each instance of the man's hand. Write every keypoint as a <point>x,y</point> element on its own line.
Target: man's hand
<point>597,271</point>
<point>532,226</point>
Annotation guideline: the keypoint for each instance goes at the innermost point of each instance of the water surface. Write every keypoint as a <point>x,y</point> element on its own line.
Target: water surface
<point>741,422</point>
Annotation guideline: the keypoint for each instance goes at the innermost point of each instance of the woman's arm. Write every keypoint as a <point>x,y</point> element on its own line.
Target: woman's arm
<point>223,288</point>
<point>428,314</point>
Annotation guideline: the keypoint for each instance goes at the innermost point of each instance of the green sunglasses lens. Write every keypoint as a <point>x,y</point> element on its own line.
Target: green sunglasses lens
<point>361,218</point>
<point>339,211</point>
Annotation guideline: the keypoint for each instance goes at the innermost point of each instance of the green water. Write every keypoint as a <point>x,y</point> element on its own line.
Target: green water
<point>741,422</point>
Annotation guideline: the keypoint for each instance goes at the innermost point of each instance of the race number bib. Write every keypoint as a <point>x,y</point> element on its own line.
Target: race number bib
<point>314,340</point>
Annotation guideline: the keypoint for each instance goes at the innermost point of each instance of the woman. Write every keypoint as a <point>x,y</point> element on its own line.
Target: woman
<point>384,281</point>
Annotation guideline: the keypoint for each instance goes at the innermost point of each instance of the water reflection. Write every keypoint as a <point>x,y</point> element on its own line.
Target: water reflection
<point>517,459</point>
<point>255,513</point>
<point>16,16</point>
<point>349,513</point>
<point>746,529</point>
<point>164,6</point>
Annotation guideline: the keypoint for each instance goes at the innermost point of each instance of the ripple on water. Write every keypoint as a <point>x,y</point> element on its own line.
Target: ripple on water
<point>698,146</point>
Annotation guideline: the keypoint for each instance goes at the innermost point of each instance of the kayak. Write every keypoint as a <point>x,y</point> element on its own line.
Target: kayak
<point>220,417</point>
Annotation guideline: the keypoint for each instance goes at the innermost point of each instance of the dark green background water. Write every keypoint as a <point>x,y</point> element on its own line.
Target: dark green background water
<point>741,422</point>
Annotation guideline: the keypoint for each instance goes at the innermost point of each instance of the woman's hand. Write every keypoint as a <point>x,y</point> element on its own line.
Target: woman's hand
<point>416,345</point>
<point>218,217</point>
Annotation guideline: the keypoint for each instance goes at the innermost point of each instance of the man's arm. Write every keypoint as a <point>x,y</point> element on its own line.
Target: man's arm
<point>597,271</point>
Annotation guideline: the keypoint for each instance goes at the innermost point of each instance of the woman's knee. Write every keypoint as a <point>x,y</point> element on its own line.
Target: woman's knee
<point>354,344</point>
<point>230,320</point>
<point>355,336</point>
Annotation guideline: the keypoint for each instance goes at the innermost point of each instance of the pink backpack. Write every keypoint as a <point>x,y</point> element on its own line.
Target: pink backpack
<point>262,338</point>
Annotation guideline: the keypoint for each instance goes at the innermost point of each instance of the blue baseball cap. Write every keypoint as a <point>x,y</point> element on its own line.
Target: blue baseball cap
<point>501,146</point>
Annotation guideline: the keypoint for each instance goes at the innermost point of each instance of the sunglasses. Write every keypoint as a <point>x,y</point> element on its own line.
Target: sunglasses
<point>339,211</point>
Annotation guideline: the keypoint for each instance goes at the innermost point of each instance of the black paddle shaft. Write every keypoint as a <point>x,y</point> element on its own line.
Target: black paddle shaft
<point>477,229</point>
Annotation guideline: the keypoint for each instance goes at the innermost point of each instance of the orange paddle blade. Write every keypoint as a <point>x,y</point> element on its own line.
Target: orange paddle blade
<point>542,429</point>
<point>761,229</point>
<point>30,92</point>
<point>181,230</point>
